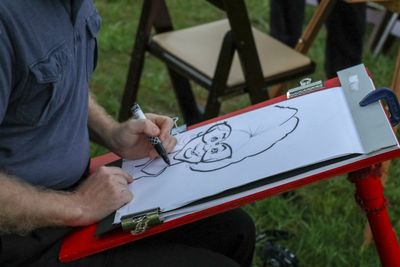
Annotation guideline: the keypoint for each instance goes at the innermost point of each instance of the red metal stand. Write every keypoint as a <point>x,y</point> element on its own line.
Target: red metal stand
<point>369,195</point>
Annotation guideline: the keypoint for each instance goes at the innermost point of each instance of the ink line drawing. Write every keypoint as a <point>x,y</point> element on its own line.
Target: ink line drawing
<point>221,145</point>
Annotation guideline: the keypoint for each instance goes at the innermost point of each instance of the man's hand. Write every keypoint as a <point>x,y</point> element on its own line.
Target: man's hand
<point>24,207</point>
<point>129,139</point>
<point>105,191</point>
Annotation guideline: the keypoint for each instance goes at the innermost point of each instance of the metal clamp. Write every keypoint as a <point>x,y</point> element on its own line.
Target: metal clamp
<point>391,101</point>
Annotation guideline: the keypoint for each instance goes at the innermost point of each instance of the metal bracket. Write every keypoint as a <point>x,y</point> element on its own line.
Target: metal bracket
<point>139,223</point>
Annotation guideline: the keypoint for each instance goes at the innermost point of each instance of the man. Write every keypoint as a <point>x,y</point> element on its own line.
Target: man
<point>345,29</point>
<point>47,55</point>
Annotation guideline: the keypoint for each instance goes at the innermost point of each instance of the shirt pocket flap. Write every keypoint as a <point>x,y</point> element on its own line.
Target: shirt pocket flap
<point>51,68</point>
<point>46,89</point>
<point>93,24</point>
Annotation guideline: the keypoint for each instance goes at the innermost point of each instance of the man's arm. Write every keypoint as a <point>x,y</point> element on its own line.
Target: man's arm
<point>24,207</point>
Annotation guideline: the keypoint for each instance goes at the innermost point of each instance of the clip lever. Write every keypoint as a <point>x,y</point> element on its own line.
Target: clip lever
<point>306,87</point>
<point>391,101</point>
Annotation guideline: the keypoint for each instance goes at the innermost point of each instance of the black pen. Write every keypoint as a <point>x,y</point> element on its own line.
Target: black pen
<point>137,113</point>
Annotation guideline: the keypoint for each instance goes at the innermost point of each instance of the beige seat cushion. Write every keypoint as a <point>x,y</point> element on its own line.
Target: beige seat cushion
<point>199,47</point>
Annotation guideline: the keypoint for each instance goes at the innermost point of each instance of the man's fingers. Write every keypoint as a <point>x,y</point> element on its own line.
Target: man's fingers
<point>143,126</point>
<point>169,144</point>
<point>154,125</point>
<point>126,195</point>
<point>164,123</point>
<point>119,172</point>
<point>121,180</point>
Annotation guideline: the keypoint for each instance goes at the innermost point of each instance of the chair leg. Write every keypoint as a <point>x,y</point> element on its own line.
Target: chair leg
<point>385,34</point>
<point>181,85</point>
<point>149,11</point>
<point>213,107</point>
<point>246,48</point>
<point>132,85</point>
<point>381,21</point>
<point>185,97</point>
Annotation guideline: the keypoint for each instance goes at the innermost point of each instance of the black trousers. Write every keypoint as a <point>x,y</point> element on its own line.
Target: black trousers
<point>226,239</point>
<point>345,30</point>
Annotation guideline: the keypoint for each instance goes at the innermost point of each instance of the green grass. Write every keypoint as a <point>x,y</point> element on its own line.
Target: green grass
<point>327,223</point>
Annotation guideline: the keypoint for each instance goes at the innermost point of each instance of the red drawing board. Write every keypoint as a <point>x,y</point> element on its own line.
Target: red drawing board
<point>83,243</point>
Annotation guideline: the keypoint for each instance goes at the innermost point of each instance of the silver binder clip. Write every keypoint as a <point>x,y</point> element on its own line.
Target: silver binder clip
<point>178,129</point>
<point>306,87</point>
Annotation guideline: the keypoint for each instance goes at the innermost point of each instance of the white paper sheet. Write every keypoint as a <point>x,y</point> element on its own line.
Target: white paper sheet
<point>238,150</point>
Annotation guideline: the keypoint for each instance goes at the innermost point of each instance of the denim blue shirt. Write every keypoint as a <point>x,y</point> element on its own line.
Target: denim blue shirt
<point>47,55</point>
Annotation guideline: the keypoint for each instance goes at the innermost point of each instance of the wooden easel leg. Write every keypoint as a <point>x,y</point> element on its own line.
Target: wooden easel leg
<point>368,238</point>
<point>370,196</point>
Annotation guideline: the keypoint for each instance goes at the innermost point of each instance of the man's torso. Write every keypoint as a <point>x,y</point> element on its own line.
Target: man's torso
<point>43,130</point>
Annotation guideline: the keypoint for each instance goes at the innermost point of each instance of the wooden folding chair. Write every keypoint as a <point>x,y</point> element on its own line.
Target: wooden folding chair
<point>227,57</point>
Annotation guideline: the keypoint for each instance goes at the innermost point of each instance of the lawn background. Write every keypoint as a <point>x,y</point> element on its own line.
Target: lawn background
<point>327,223</point>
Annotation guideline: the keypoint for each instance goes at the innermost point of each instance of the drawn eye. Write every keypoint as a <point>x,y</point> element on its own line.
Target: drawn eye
<point>215,134</point>
<point>219,152</point>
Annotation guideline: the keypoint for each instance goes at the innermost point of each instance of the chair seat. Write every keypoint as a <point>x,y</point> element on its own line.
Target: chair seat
<point>199,47</point>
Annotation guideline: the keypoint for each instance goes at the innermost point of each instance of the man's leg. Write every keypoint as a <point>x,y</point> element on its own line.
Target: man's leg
<point>345,30</point>
<point>149,252</point>
<point>226,239</point>
<point>231,234</point>
<point>286,20</point>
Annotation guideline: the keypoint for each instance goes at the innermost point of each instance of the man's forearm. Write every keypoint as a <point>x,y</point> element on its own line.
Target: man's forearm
<point>100,123</point>
<point>24,207</point>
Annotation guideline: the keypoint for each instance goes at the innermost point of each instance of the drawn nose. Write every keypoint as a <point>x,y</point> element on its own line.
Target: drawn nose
<point>206,147</point>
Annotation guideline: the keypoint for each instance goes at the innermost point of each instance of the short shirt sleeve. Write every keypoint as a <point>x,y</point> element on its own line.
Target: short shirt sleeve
<point>6,69</point>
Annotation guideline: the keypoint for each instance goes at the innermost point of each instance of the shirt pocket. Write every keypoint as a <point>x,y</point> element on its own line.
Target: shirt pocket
<point>93,26</point>
<point>46,89</point>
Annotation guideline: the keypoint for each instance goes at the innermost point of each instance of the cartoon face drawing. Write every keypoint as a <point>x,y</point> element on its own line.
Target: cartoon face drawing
<point>207,147</point>
<point>221,145</point>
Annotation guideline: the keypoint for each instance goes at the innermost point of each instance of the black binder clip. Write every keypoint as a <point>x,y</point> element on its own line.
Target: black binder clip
<point>391,101</point>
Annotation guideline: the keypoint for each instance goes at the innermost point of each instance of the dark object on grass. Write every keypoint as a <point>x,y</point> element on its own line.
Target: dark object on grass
<point>274,254</point>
